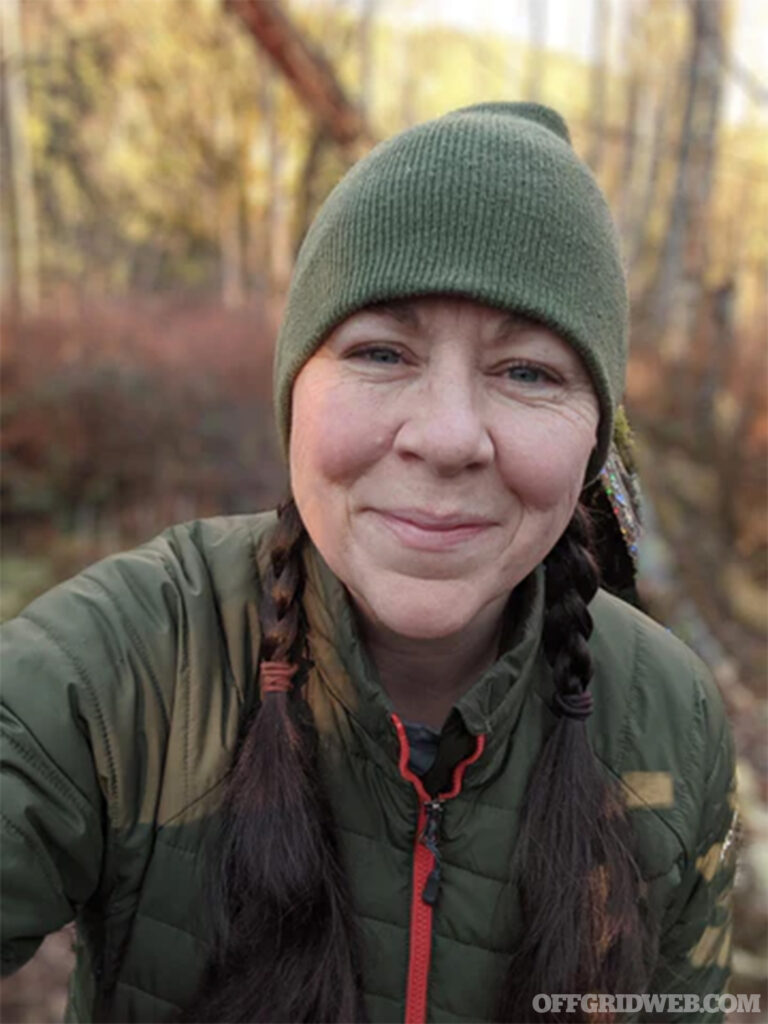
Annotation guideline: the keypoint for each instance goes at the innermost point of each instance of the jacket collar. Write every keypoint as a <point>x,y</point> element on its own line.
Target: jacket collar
<point>492,706</point>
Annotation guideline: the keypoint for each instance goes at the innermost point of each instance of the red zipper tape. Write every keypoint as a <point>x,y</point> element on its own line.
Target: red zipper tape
<point>420,944</point>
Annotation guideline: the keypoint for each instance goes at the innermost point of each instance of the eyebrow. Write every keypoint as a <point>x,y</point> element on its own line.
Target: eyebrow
<point>399,309</point>
<point>512,324</point>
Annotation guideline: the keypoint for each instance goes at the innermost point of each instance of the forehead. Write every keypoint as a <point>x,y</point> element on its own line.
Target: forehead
<point>418,311</point>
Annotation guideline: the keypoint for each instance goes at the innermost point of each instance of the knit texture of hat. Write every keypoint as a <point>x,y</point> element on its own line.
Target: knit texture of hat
<point>489,202</point>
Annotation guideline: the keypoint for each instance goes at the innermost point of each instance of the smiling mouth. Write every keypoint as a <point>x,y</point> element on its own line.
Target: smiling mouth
<point>432,533</point>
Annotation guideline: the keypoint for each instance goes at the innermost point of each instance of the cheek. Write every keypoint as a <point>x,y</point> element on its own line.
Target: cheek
<point>334,436</point>
<point>545,467</point>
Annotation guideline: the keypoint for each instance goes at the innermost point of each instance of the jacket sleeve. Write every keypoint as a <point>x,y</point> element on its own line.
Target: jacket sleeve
<point>73,665</point>
<point>695,944</point>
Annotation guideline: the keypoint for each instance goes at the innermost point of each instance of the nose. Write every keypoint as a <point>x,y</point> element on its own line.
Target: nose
<point>444,425</point>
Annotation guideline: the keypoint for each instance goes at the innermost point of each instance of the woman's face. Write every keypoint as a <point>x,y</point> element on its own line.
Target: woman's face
<point>438,448</point>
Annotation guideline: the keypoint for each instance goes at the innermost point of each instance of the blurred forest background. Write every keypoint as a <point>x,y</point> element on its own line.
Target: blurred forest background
<point>160,162</point>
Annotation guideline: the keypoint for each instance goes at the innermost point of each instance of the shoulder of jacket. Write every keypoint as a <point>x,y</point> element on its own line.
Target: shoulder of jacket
<point>188,564</point>
<point>633,651</point>
<point>659,722</point>
<point>147,642</point>
<point>228,549</point>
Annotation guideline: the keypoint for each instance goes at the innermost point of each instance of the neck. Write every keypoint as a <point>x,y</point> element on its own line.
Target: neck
<point>424,678</point>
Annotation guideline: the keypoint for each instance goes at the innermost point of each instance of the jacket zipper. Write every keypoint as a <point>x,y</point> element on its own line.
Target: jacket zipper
<point>426,874</point>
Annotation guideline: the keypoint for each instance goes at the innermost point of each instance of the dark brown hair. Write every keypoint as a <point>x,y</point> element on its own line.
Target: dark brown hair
<point>285,947</point>
<point>584,923</point>
<point>284,938</point>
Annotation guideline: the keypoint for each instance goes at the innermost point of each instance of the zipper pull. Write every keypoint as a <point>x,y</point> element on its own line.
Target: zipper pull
<point>429,838</point>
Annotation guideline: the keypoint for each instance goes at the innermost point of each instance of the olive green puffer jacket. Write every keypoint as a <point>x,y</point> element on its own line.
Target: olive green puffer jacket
<point>123,690</point>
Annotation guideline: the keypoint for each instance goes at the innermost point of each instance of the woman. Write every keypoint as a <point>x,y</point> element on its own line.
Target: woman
<point>466,778</point>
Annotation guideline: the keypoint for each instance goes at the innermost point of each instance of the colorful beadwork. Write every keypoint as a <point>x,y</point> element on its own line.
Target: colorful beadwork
<point>730,837</point>
<point>623,493</point>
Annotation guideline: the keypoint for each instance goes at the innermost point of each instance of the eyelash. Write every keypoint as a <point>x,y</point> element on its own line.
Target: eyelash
<point>523,364</point>
<point>368,352</point>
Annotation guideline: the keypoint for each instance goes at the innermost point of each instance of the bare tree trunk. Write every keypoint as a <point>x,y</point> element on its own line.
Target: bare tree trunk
<point>312,77</point>
<point>309,72</point>
<point>408,86</point>
<point>709,19</point>
<point>627,189</point>
<point>229,213</point>
<point>719,413</point>
<point>537,40</point>
<point>23,271</point>
<point>311,186</point>
<point>629,155</point>
<point>365,52</point>
<point>278,208</point>
<point>642,205</point>
<point>601,13</point>
<point>678,286</point>
<point>8,284</point>
<point>231,247</point>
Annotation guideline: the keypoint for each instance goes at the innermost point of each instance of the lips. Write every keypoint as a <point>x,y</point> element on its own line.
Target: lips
<point>430,521</point>
<point>424,530</point>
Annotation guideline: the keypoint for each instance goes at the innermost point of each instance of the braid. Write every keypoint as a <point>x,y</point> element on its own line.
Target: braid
<point>283,584</point>
<point>283,936</point>
<point>572,581</point>
<point>580,889</point>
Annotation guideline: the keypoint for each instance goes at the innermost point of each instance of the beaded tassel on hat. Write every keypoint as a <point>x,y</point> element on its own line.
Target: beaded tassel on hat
<point>623,493</point>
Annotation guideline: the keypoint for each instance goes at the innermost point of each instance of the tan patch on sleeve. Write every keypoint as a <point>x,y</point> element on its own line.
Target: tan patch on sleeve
<point>724,956</point>
<point>649,789</point>
<point>725,899</point>
<point>708,863</point>
<point>720,855</point>
<point>712,946</point>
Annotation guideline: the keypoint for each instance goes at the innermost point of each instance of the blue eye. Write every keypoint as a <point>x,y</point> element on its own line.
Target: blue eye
<point>523,373</point>
<point>378,354</point>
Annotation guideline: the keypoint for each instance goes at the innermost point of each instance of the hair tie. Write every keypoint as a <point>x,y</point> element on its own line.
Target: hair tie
<point>275,676</point>
<point>573,705</point>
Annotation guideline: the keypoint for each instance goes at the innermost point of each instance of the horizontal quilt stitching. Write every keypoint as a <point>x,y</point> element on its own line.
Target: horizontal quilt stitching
<point>383,996</point>
<point>145,992</point>
<point>379,840</point>
<point>472,945</point>
<point>380,920</point>
<point>175,846</point>
<point>175,927</point>
<point>435,1009</point>
<point>446,861</point>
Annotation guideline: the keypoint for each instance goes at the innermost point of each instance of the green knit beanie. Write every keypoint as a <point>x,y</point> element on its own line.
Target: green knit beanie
<point>489,202</point>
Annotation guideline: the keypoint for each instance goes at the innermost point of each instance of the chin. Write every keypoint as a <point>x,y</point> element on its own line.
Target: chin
<point>420,609</point>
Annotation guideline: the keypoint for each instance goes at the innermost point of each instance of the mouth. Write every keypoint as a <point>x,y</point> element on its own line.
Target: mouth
<point>428,532</point>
